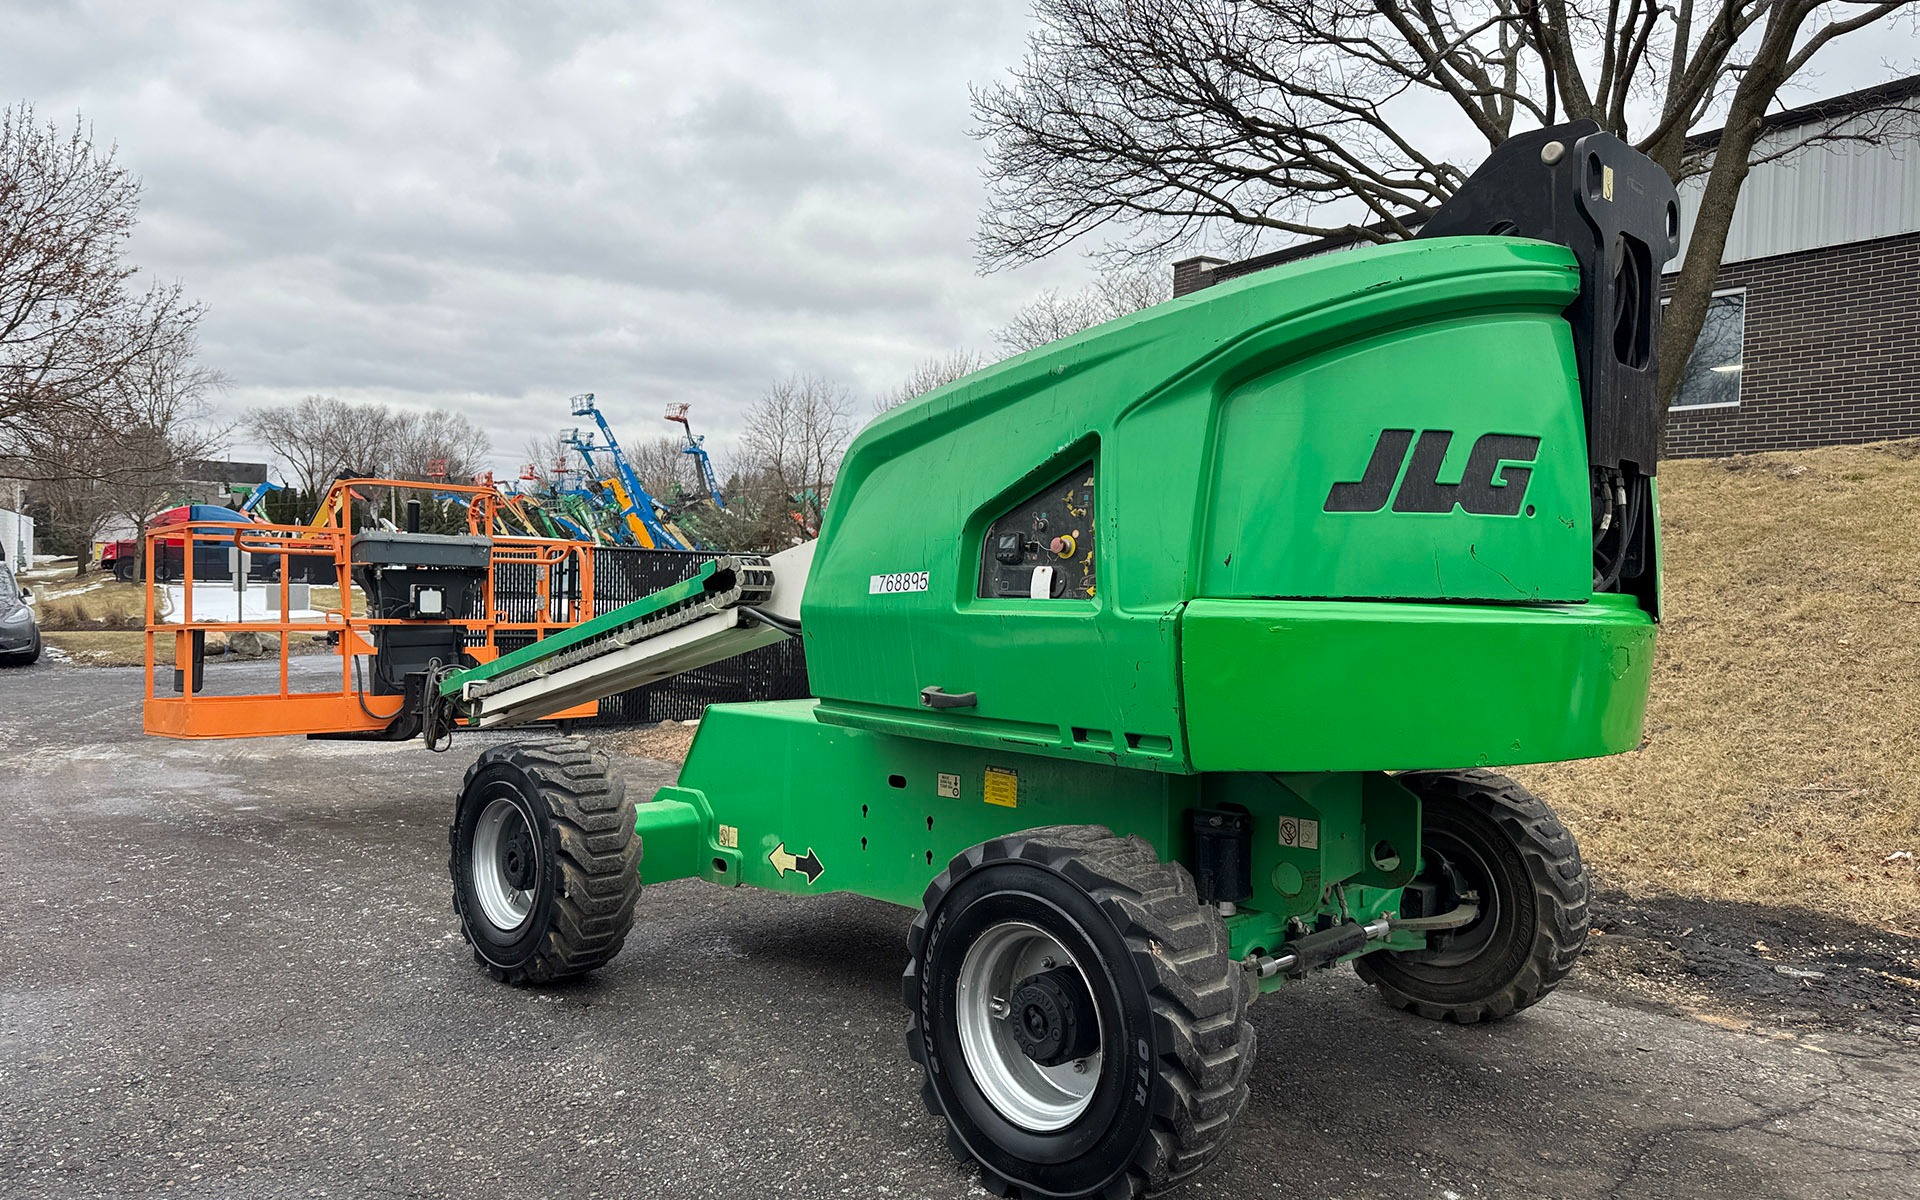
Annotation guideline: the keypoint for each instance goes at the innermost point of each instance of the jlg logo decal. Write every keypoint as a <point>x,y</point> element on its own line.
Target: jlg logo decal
<point>1493,485</point>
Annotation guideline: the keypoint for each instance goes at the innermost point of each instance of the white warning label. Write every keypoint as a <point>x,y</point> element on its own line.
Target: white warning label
<point>899,581</point>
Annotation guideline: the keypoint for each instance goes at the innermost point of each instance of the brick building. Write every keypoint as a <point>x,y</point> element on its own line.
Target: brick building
<point>1810,339</point>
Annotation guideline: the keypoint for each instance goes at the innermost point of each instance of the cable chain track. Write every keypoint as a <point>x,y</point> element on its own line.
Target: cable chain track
<point>753,584</point>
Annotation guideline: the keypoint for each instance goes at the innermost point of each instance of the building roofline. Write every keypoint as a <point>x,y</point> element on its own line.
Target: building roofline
<point>1880,95</point>
<point>1868,99</point>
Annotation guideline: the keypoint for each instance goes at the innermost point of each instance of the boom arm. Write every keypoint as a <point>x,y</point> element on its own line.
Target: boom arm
<point>696,446</point>
<point>734,604</point>
<point>616,529</point>
<point>639,502</point>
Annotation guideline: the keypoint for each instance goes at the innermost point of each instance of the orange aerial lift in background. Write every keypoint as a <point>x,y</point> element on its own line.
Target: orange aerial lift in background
<point>425,602</point>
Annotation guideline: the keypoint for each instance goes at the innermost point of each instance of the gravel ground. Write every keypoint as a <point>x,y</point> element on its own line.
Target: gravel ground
<point>230,970</point>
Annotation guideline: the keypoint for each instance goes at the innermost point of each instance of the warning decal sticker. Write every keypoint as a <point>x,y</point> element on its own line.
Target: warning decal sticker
<point>1300,832</point>
<point>1001,787</point>
<point>807,864</point>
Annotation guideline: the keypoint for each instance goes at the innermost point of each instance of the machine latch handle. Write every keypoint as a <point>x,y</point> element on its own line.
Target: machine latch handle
<point>935,697</point>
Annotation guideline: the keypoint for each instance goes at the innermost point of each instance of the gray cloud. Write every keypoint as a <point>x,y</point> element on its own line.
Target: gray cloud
<point>494,205</point>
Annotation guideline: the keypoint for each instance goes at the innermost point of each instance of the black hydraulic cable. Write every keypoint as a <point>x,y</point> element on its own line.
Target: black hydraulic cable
<point>360,696</point>
<point>790,628</point>
<point>435,729</point>
<point>1605,527</point>
<point>1629,524</point>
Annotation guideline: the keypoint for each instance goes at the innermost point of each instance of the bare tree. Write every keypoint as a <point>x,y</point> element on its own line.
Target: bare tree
<point>934,373</point>
<point>165,393</point>
<point>77,507</point>
<point>1053,315</point>
<point>548,456</point>
<point>1048,317</point>
<point>66,211</point>
<point>789,453</point>
<point>317,440</point>
<point>321,439</point>
<point>1154,122</point>
<point>414,442</point>
<point>79,346</point>
<point>129,468</point>
<point>662,468</point>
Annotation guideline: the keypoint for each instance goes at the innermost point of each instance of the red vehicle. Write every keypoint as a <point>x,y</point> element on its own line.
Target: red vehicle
<point>122,557</point>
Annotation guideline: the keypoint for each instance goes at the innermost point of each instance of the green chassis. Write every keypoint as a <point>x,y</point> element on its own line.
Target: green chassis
<point>771,797</point>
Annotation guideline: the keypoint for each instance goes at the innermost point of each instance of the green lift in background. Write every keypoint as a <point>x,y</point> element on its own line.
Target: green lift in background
<point>1161,666</point>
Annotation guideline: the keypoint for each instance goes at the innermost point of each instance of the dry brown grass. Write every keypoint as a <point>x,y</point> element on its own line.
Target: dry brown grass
<point>1782,760</point>
<point>127,647</point>
<point>64,600</point>
<point>99,601</point>
<point>94,610</point>
<point>107,648</point>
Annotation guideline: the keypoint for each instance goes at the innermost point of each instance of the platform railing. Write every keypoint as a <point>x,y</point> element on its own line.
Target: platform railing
<point>562,596</point>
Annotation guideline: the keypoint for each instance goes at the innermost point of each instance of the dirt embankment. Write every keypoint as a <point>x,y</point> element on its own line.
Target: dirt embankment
<point>1781,765</point>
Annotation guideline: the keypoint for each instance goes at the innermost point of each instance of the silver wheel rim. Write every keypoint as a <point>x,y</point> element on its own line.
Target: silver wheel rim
<point>506,907</point>
<point>1036,1098</point>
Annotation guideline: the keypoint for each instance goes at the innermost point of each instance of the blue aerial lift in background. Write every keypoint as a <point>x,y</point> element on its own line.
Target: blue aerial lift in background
<point>696,446</point>
<point>636,503</point>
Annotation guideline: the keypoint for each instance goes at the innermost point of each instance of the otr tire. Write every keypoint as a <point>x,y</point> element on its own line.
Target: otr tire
<point>1485,833</point>
<point>544,861</point>
<point>1079,1023</point>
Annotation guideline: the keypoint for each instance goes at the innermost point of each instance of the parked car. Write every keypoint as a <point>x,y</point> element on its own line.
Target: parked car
<point>19,632</point>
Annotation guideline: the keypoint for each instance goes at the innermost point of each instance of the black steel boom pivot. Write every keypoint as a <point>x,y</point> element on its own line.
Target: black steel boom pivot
<point>1618,212</point>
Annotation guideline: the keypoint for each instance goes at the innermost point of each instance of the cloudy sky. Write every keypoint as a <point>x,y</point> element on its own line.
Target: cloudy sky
<point>491,205</point>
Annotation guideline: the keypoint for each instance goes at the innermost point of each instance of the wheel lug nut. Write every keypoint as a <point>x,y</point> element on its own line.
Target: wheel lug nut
<point>999,1008</point>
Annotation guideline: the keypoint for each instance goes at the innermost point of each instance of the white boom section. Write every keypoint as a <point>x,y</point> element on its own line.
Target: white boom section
<point>681,648</point>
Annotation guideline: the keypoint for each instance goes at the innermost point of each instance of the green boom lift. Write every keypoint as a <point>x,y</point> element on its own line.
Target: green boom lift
<point>1161,666</point>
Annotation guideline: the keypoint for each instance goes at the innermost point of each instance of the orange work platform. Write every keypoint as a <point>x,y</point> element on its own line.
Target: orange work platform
<point>548,585</point>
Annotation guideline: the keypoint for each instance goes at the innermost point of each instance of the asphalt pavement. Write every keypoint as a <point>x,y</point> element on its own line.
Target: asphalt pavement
<point>230,969</point>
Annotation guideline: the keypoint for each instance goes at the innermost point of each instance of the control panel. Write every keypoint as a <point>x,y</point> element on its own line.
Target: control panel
<point>1043,548</point>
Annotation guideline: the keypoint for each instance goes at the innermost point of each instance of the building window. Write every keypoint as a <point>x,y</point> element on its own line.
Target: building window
<point>1712,378</point>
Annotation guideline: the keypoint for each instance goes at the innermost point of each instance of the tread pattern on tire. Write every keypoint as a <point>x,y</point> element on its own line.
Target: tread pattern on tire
<point>1560,891</point>
<point>598,857</point>
<point>1199,997</point>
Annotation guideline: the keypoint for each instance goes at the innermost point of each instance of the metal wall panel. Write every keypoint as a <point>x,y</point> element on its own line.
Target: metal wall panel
<point>1817,196</point>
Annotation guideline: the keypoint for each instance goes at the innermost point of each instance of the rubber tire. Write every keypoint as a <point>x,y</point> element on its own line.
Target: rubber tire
<point>1542,914</point>
<point>125,569</point>
<point>589,856</point>
<point>1181,1000</point>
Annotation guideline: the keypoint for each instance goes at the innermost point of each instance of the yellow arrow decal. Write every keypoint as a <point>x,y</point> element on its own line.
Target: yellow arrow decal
<point>807,864</point>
